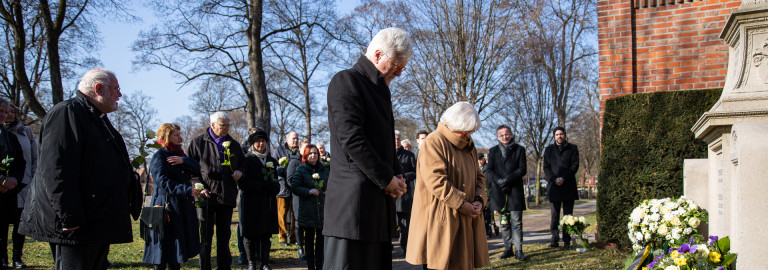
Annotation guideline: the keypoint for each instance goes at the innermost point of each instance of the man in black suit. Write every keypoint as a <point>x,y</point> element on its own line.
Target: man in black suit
<point>404,203</point>
<point>505,170</point>
<point>561,161</point>
<point>365,173</point>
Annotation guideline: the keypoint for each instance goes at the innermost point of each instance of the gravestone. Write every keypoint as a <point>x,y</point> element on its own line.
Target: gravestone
<point>731,183</point>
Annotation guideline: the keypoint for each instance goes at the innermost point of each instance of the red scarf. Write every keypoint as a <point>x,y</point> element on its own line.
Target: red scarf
<point>176,149</point>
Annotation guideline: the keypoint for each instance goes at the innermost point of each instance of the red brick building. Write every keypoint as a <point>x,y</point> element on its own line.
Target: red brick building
<point>661,45</point>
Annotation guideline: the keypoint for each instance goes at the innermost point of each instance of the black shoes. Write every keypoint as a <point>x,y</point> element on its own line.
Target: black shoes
<point>553,244</point>
<point>266,267</point>
<point>284,244</point>
<point>567,246</point>
<point>19,264</point>
<point>507,254</point>
<point>521,257</point>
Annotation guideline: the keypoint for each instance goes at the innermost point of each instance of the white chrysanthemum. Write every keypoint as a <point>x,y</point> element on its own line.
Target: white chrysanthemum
<point>654,217</point>
<point>687,231</point>
<point>639,235</point>
<point>702,248</point>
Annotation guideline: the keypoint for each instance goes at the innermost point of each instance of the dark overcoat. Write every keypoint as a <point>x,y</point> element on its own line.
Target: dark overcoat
<point>362,129</point>
<point>258,204</point>
<point>10,147</point>
<point>310,207</point>
<point>83,179</point>
<point>285,152</point>
<point>181,236</point>
<point>561,163</point>
<point>408,163</point>
<point>505,178</point>
<point>217,178</point>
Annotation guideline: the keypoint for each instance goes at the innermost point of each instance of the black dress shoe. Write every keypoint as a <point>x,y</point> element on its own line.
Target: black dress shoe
<point>266,267</point>
<point>507,254</point>
<point>19,264</point>
<point>566,246</point>
<point>553,245</point>
<point>521,257</point>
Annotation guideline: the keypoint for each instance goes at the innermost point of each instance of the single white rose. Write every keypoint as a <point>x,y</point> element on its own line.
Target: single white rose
<point>226,144</point>
<point>647,236</point>
<point>270,165</point>
<point>199,186</point>
<point>694,222</point>
<point>639,236</point>
<point>282,161</point>
<point>583,220</point>
<point>316,176</point>
<point>663,230</point>
<point>687,231</point>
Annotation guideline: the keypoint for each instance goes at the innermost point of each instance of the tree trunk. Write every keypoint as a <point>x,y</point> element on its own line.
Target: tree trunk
<point>308,110</point>
<point>538,181</point>
<point>259,112</point>
<point>54,67</point>
<point>20,44</point>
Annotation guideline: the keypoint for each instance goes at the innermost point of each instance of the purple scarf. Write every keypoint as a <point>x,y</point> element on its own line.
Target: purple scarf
<point>219,144</point>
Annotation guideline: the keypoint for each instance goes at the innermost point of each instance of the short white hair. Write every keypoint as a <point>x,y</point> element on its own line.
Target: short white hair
<point>218,115</point>
<point>462,116</point>
<point>397,132</point>
<point>94,76</point>
<point>394,42</point>
<point>405,141</point>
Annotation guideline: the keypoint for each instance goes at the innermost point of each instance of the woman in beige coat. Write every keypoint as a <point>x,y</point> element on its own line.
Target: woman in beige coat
<point>447,229</point>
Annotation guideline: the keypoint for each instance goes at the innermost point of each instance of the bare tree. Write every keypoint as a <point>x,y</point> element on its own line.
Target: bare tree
<point>301,53</point>
<point>133,118</point>
<point>559,35</point>
<point>585,122</point>
<point>462,52</point>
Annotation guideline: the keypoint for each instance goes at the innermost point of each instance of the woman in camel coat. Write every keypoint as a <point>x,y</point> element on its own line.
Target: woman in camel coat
<point>447,228</point>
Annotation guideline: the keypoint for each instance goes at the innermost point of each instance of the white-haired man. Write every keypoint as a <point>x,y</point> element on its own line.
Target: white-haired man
<point>80,198</point>
<point>365,174</point>
<point>212,150</point>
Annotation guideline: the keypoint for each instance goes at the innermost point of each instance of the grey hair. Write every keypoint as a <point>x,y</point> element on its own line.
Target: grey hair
<point>405,141</point>
<point>394,42</point>
<point>218,115</point>
<point>94,76</point>
<point>462,116</point>
<point>397,132</point>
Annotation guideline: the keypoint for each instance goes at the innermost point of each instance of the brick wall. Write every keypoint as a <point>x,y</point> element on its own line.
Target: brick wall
<point>661,45</point>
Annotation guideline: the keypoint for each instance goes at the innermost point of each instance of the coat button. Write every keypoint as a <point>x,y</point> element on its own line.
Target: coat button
<point>93,195</point>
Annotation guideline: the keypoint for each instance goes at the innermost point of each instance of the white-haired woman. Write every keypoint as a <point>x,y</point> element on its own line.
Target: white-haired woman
<point>447,229</point>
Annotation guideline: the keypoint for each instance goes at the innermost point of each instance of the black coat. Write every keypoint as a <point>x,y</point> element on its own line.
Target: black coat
<point>217,178</point>
<point>561,163</point>
<point>408,162</point>
<point>282,171</point>
<point>504,177</point>
<point>258,204</point>
<point>362,129</point>
<point>310,213</point>
<point>83,179</point>
<point>10,147</point>
<point>181,237</point>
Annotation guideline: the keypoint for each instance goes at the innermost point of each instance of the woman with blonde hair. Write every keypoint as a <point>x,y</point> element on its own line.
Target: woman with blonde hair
<point>171,171</point>
<point>447,228</point>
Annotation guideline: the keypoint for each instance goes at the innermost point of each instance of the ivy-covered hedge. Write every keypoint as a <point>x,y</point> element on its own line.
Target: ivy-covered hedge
<point>645,139</point>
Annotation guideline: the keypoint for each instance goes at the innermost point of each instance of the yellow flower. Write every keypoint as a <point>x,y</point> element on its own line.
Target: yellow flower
<point>645,268</point>
<point>681,261</point>
<point>675,254</point>
<point>714,257</point>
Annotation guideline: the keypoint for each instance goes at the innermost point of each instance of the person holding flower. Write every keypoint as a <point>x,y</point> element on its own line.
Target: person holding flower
<point>447,229</point>
<point>221,166</point>
<point>172,171</point>
<point>308,183</point>
<point>561,161</point>
<point>258,204</point>
<point>11,186</point>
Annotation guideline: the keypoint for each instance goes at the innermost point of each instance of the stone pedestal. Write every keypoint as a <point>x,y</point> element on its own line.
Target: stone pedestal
<point>736,131</point>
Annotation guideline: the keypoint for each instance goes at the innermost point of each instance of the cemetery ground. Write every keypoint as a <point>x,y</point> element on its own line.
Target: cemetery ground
<point>536,238</point>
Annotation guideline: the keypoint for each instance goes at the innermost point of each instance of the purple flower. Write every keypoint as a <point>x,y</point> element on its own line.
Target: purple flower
<point>721,268</point>
<point>670,250</point>
<point>712,240</point>
<point>684,248</point>
<point>694,248</point>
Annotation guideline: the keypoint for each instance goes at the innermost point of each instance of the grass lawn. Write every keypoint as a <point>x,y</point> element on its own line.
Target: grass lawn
<point>540,256</point>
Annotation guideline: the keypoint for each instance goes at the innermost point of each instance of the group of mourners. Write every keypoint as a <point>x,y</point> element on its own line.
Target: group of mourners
<point>81,193</point>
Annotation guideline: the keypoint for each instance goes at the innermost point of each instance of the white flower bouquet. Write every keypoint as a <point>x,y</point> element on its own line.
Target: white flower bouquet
<point>575,226</point>
<point>664,222</point>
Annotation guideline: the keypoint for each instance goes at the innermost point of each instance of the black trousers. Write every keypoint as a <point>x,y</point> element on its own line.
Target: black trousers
<point>348,254</point>
<point>257,249</point>
<point>313,247</point>
<point>403,220</point>
<point>81,257</point>
<point>18,240</point>
<point>221,217</point>
<point>554,207</point>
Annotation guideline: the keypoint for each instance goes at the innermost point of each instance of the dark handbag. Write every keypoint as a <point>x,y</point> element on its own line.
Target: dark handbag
<point>153,218</point>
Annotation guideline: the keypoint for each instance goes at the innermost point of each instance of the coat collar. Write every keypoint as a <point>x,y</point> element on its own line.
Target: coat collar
<point>367,68</point>
<point>95,112</point>
<point>452,137</point>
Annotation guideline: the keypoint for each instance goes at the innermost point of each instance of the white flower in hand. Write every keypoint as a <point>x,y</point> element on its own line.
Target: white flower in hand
<point>283,161</point>
<point>199,186</point>
<point>316,176</point>
<point>226,144</point>
<point>270,165</point>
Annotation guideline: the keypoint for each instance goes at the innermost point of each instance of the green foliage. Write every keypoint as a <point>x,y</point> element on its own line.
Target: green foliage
<point>645,139</point>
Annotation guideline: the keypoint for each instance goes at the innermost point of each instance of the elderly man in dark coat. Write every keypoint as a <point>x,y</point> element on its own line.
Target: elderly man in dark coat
<point>258,204</point>
<point>561,161</point>
<point>79,199</point>
<point>365,174</point>
<point>212,150</point>
<point>505,170</point>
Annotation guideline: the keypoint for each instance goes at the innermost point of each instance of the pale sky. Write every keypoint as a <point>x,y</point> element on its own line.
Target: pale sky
<point>116,55</point>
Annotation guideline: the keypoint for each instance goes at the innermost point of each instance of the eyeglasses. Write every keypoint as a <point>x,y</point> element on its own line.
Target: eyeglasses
<point>398,67</point>
<point>225,125</point>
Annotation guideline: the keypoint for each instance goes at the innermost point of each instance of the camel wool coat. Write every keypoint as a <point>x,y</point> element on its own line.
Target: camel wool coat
<point>447,175</point>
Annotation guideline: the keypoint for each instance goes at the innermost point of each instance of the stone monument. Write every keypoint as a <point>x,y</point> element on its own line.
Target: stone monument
<point>732,183</point>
